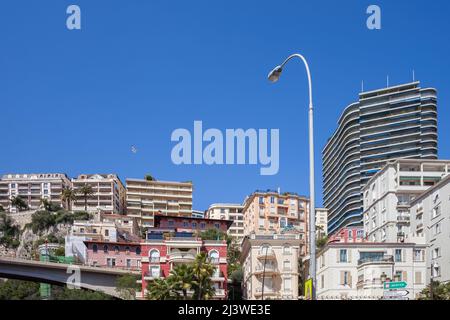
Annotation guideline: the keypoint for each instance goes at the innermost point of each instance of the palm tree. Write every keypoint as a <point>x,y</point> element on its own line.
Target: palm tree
<point>19,203</point>
<point>160,289</point>
<point>181,278</point>
<point>203,270</point>
<point>85,191</point>
<point>46,204</point>
<point>68,195</point>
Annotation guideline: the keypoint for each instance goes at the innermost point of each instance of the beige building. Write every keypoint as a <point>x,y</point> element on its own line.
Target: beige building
<point>270,212</point>
<point>321,222</point>
<point>229,211</point>
<point>108,193</point>
<point>270,266</point>
<point>147,197</point>
<point>32,188</point>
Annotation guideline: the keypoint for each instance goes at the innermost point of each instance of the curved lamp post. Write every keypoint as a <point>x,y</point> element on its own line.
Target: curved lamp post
<point>274,76</point>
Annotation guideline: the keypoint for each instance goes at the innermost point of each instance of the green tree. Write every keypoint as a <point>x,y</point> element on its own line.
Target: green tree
<point>127,286</point>
<point>10,231</point>
<point>161,289</point>
<point>203,271</point>
<point>64,293</point>
<point>149,177</point>
<point>68,195</point>
<point>436,291</point>
<point>181,278</point>
<point>2,209</point>
<point>18,290</point>
<point>86,191</point>
<point>19,203</point>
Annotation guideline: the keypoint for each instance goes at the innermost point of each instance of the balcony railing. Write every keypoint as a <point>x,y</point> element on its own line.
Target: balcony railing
<point>182,256</point>
<point>376,259</point>
<point>403,218</point>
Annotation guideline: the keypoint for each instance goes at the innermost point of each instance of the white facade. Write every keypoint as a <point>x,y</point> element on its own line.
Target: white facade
<point>229,211</point>
<point>321,221</point>
<point>358,270</point>
<point>32,188</point>
<point>388,194</point>
<point>430,218</point>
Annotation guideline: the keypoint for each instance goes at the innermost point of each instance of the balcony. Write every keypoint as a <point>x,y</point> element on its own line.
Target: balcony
<point>270,270</point>
<point>376,260</point>
<point>181,257</point>
<point>263,254</point>
<point>153,275</point>
<point>419,226</point>
<point>403,219</point>
<point>268,292</point>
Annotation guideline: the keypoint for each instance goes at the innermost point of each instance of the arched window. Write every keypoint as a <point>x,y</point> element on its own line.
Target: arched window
<point>154,256</point>
<point>116,249</point>
<point>94,248</point>
<point>286,249</point>
<point>265,248</point>
<point>127,250</point>
<point>214,256</point>
<point>105,248</point>
<point>138,251</point>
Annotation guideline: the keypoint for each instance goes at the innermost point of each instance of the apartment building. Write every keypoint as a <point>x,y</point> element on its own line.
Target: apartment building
<point>175,240</point>
<point>321,222</point>
<point>270,212</point>
<point>390,123</point>
<point>388,194</point>
<point>348,235</point>
<point>270,266</point>
<point>358,271</point>
<point>32,188</point>
<point>108,193</point>
<point>229,211</point>
<point>121,254</point>
<point>145,198</point>
<point>198,214</point>
<point>430,218</point>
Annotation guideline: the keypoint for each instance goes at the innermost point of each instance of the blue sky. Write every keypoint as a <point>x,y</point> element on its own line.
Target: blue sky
<point>76,101</point>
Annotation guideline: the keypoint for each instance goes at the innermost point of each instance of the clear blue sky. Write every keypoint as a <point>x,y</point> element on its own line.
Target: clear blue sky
<point>76,101</point>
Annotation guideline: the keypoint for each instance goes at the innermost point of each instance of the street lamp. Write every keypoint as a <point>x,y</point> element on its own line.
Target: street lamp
<point>274,76</point>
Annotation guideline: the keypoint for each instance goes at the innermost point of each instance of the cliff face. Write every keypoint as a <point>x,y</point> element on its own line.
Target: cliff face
<point>28,239</point>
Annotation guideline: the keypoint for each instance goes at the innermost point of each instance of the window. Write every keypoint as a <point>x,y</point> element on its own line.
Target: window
<point>286,249</point>
<point>346,278</point>
<point>154,271</point>
<point>322,281</point>
<point>105,248</point>
<point>418,277</point>
<point>350,234</point>
<point>127,250</point>
<point>217,225</point>
<point>287,265</point>
<point>128,263</point>
<point>419,255</point>
<point>436,271</point>
<point>106,233</point>
<point>171,223</point>
<point>94,248</point>
<point>214,256</point>
<point>436,253</point>
<point>138,251</point>
<point>185,224</point>
<point>202,225</point>
<point>436,211</point>
<point>398,255</point>
<point>116,249</point>
<point>261,200</point>
<point>111,262</point>
<point>437,228</point>
<point>287,283</point>
<point>261,223</point>
<point>194,224</point>
<point>154,256</point>
<point>272,199</point>
<point>343,255</point>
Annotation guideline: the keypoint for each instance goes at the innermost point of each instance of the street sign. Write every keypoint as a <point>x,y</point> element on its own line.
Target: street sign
<point>395,285</point>
<point>396,293</point>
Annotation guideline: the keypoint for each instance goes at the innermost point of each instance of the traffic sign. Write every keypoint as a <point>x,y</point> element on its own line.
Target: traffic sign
<point>396,293</point>
<point>395,285</point>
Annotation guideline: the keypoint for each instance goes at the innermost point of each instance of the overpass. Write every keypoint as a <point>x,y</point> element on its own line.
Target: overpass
<point>92,278</point>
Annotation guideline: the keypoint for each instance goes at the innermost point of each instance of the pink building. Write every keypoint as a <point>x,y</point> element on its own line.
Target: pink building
<point>190,224</point>
<point>348,235</point>
<point>124,255</point>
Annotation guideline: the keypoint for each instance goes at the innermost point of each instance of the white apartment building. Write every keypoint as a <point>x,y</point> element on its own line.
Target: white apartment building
<point>147,197</point>
<point>430,217</point>
<point>108,193</point>
<point>321,222</point>
<point>388,194</point>
<point>270,266</point>
<point>32,188</point>
<point>229,211</point>
<point>358,271</point>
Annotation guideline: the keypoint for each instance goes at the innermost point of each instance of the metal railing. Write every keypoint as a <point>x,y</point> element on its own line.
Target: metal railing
<point>376,259</point>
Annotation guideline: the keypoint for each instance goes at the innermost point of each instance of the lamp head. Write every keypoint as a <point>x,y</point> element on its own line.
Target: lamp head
<point>274,75</point>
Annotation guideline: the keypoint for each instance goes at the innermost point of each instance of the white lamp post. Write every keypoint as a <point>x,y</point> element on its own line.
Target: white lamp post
<point>274,76</point>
